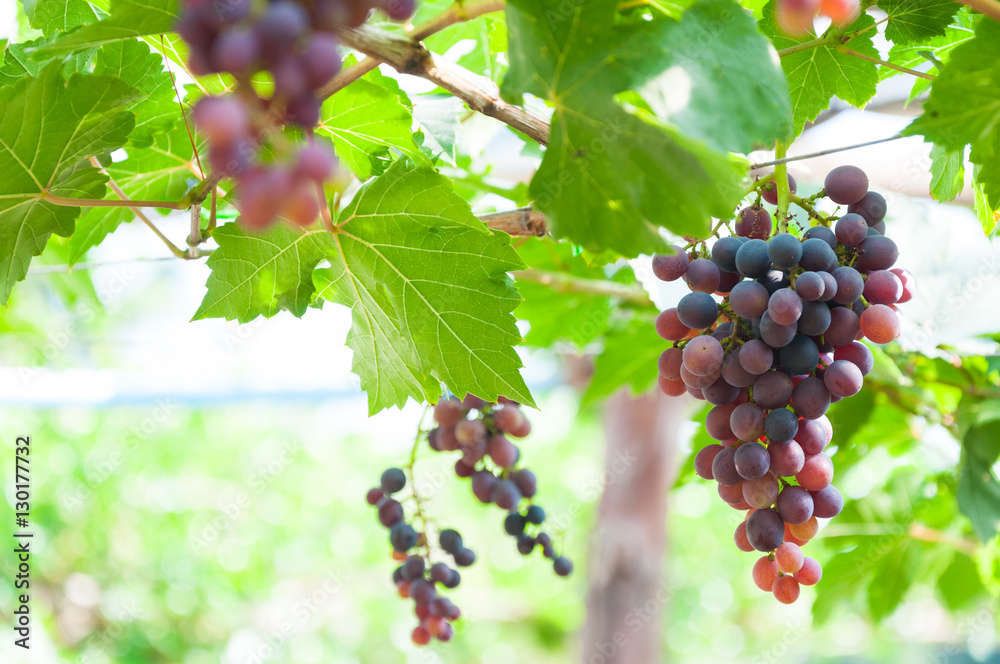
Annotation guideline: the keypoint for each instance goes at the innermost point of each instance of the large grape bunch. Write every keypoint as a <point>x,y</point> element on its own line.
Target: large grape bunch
<point>294,41</point>
<point>781,346</point>
<point>478,430</point>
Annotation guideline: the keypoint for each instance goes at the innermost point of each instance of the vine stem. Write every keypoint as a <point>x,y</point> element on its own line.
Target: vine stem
<point>781,185</point>
<point>821,153</point>
<point>990,8</point>
<point>565,283</point>
<point>831,37</point>
<point>174,249</point>
<point>457,13</point>
<point>480,93</point>
<point>107,202</point>
<point>523,221</point>
<point>418,502</point>
<point>906,70</point>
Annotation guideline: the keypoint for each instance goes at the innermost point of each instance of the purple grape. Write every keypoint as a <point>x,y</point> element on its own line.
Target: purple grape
<point>809,286</point>
<point>776,335</point>
<point>787,457</point>
<point>846,185</point>
<point>851,230</point>
<point>765,529</point>
<point>756,357</point>
<point>747,421</point>
<point>843,378</point>
<point>795,505</point>
<point>772,390</point>
<point>828,502</point>
<point>703,355</point>
<point>670,267</point>
<point>748,299</point>
<point>751,460</point>
<point>810,398</point>
<point>724,467</point>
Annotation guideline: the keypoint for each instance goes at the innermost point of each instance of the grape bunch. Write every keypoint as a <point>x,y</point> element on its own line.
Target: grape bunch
<point>796,17</point>
<point>294,42</point>
<point>780,347</point>
<point>479,431</point>
<point>417,578</point>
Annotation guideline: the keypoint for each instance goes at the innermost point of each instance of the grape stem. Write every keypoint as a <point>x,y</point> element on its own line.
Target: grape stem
<point>832,36</point>
<point>174,249</point>
<point>418,502</point>
<point>781,185</point>
<point>808,206</point>
<point>821,153</point>
<point>565,283</point>
<point>906,70</point>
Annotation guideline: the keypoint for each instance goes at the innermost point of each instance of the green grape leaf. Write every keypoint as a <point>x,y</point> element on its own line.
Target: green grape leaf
<point>947,173</point>
<point>425,280</point>
<point>484,39</point>
<point>46,151</point>
<point>959,584</point>
<point>161,172</point>
<point>128,19</point>
<point>964,107</point>
<point>259,274</point>
<point>706,90</point>
<point>52,16</point>
<point>816,75</point>
<point>366,119</point>
<point>614,173</point>
<point>988,215</point>
<point>892,577</point>
<point>915,21</point>
<point>978,488</point>
<point>133,62</point>
<point>427,284</point>
<point>17,62</point>
<point>629,358</point>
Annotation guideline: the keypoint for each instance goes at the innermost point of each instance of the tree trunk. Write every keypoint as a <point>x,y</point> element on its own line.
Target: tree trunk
<point>627,592</point>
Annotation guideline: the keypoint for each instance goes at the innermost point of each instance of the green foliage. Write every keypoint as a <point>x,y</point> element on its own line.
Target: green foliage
<point>613,173</point>
<point>815,75</point>
<point>964,106</point>
<point>914,21</point>
<point>54,16</point>
<point>425,281</point>
<point>128,19</point>
<point>367,119</point>
<point>42,153</point>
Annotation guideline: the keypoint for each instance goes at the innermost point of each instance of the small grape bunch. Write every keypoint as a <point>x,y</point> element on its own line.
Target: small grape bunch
<point>780,344</point>
<point>416,577</point>
<point>479,431</point>
<point>295,42</point>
